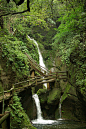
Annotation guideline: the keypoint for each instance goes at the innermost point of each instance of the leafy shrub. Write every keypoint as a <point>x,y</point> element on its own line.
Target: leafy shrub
<point>18,117</point>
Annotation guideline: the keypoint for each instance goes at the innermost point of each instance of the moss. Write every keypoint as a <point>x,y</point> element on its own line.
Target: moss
<point>18,117</point>
<point>43,98</point>
<point>54,95</point>
<point>41,91</point>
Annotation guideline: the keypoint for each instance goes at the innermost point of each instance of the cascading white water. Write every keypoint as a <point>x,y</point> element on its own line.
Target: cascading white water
<point>39,116</point>
<point>40,119</point>
<point>60,108</point>
<point>41,63</point>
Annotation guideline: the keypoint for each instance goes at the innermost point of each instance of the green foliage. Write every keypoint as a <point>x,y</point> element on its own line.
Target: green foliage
<point>70,42</point>
<point>65,95</point>
<point>41,91</point>
<point>13,50</point>
<point>18,117</point>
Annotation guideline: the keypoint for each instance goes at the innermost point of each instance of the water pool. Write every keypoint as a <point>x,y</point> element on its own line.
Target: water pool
<point>63,124</point>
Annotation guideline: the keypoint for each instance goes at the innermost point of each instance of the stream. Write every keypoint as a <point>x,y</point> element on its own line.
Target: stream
<point>63,124</point>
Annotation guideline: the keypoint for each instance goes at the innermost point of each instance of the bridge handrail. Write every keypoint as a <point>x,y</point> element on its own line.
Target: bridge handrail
<point>35,63</point>
<point>38,78</point>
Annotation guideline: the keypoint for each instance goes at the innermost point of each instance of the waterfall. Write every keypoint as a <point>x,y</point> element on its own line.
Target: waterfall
<point>41,63</point>
<point>60,109</point>
<point>40,119</point>
<point>39,116</point>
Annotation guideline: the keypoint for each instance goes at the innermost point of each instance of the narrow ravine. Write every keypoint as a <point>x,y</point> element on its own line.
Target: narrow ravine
<point>40,119</point>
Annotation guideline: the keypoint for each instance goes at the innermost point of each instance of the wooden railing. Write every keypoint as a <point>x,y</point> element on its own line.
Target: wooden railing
<point>32,82</point>
<point>5,120</point>
<point>40,69</point>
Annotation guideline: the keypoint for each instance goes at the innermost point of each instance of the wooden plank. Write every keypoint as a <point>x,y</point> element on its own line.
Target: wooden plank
<point>62,78</point>
<point>38,80</point>
<point>34,63</point>
<point>6,122</point>
<point>1,115</point>
<point>51,80</point>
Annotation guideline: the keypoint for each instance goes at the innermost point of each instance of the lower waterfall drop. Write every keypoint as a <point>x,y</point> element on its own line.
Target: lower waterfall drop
<point>40,119</point>
<point>39,113</point>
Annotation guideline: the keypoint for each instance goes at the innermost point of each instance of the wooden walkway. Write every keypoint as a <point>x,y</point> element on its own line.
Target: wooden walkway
<point>32,82</point>
<point>45,77</point>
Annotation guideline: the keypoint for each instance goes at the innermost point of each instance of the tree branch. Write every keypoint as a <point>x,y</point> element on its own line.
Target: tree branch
<point>14,13</point>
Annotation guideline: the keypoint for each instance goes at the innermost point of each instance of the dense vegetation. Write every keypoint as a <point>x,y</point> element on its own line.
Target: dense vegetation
<point>59,26</point>
<point>70,42</point>
<point>18,117</point>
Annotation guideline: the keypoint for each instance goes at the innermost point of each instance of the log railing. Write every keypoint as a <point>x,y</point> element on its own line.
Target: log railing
<point>32,82</point>
<point>5,120</point>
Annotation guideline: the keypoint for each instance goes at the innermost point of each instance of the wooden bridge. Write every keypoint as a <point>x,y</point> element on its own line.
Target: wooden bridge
<point>45,77</point>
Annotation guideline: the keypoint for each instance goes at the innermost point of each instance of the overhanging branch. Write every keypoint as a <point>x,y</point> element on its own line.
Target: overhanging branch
<point>14,13</point>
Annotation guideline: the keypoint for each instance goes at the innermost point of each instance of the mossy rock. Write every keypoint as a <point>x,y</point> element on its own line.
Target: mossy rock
<point>41,91</point>
<point>54,95</point>
<point>43,98</point>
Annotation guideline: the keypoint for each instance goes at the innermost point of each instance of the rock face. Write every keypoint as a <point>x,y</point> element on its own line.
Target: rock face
<point>49,100</point>
<point>28,103</point>
<point>71,108</point>
<point>54,96</point>
<point>81,105</point>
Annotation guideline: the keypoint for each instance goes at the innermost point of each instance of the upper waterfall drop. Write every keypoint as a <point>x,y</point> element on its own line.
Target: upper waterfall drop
<point>41,63</point>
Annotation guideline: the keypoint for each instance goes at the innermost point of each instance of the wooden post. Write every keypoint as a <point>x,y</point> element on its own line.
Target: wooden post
<point>13,89</point>
<point>32,75</point>
<point>3,98</point>
<point>56,79</point>
<point>48,85</point>
<point>36,81</point>
<point>5,121</point>
<point>12,93</point>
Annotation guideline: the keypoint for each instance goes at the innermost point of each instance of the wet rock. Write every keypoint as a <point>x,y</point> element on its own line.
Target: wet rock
<point>54,96</point>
